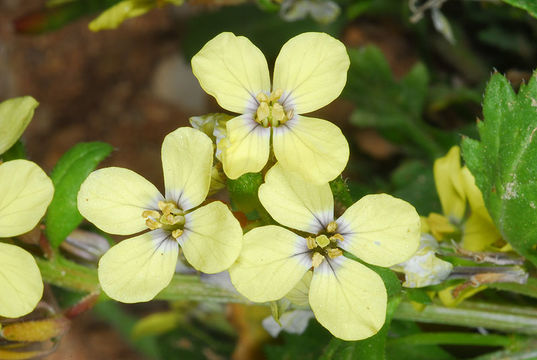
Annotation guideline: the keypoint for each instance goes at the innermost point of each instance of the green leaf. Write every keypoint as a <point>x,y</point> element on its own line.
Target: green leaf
<point>306,346</point>
<point>414,182</point>
<point>418,295</point>
<point>529,5</point>
<point>396,351</point>
<point>503,161</point>
<point>68,174</point>
<point>393,107</point>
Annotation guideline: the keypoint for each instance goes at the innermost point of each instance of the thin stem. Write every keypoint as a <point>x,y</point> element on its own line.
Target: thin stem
<point>452,338</point>
<point>474,314</point>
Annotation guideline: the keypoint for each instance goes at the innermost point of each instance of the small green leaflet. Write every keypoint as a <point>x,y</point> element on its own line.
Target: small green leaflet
<point>529,5</point>
<point>504,161</point>
<point>68,174</point>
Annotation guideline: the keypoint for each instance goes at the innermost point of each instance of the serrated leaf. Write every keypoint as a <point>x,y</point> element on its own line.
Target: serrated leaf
<point>68,174</point>
<point>529,5</point>
<point>503,161</point>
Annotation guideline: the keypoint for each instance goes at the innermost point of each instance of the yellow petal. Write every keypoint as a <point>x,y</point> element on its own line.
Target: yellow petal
<point>212,238</point>
<point>114,199</point>
<point>248,147</point>
<point>21,286</point>
<point>479,232</point>
<point>314,148</point>
<point>447,298</point>
<point>26,193</point>
<point>348,299</point>
<point>295,203</point>
<point>380,229</point>
<point>117,14</point>
<point>15,115</point>
<point>233,70</point>
<point>474,195</point>
<point>311,69</point>
<point>271,263</point>
<point>449,184</point>
<point>187,159</point>
<point>137,269</point>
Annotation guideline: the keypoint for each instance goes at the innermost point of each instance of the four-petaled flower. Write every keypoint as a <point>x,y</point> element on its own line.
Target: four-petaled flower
<point>346,297</point>
<point>120,201</point>
<point>309,73</point>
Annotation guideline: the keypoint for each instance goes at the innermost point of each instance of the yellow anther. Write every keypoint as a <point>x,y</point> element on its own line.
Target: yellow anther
<point>316,259</point>
<point>332,227</point>
<point>334,253</point>
<point>337,237</point>
<point>176,233</point>
<point>290,114</point>
<point>151,213</point>
<point>322,240</point>
<point>275,95</point>
<point>152,224</point>
<point>262,97</point>
<point>278,114</point>
<point>311,243</point>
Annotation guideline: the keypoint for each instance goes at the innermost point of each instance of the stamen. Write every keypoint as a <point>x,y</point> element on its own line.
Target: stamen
<point>177,233</point>
<point>151,213</point>
<point>262,97</point>
<point>332,227</point>
<point>275,95</point>
<point>311,243</point>
<point>152,224</point>
<point>337,237</point>
<point>334,253</point>
<point>316,259</point>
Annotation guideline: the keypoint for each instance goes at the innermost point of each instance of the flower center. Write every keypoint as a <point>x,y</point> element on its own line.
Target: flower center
<point>270,112</point>
<point>324,245</point>
<point>170,218</point>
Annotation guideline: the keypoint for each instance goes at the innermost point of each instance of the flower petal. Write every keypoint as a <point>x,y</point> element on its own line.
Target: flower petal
<point>233,70</point>
<point>295,203</point>
<point>114,199</point>
<point>15,115</point>
<point>449,184</point>
<point>271,263</point>
<point>212,238</point>
<point>311,69</point>
<point>348,299</point>
<point>380,229</point>
<point>313,147</point>
<point>247,147</point>
<point>479,232</point>
<point>21,286</point>
<point>26,193</point>
<point>187,159</point>
<point>137,269</point>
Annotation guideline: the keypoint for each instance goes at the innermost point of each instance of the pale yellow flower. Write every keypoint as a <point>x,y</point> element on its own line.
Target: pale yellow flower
<point>456,187</point>
<point>310,72</point>
<point>26,192</point>
<point>120,201</point>
<point>346,297</point>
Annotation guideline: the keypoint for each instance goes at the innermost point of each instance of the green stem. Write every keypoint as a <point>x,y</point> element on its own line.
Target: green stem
<point>452,338</point>
<point>67,274</point>
<point>474,314</point>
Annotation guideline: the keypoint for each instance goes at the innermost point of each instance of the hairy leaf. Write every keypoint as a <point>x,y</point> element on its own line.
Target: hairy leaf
<point>503,161</point>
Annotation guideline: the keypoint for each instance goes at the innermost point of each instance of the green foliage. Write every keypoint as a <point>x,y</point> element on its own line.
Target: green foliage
<point>503,161</point>
<point>68,174</point>
<point>394,107</point>
<point>17,151</point>
<point>243,191</point>
<point>529,5</point>
<point>414,182</point>
<point>268,31</point>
